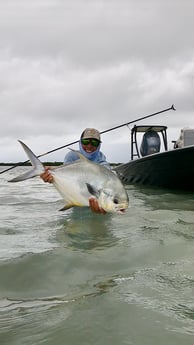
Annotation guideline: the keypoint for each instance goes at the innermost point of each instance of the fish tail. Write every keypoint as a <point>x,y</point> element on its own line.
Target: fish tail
<point>38,167</point>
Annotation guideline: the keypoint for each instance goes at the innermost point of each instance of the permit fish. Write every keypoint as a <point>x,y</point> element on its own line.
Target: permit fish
<point>77,181</point>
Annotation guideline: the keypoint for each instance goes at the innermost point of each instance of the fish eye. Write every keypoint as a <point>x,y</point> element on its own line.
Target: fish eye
<point>115,200</point>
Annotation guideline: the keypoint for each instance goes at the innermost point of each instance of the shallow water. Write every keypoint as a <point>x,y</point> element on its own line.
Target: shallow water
<point>80,278</point>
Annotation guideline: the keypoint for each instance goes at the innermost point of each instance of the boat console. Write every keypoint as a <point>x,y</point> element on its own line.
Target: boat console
<point>186,138</point>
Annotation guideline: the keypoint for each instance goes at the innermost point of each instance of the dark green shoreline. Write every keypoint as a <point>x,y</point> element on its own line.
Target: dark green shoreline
<point>27,164</point>
<point>44,163</point>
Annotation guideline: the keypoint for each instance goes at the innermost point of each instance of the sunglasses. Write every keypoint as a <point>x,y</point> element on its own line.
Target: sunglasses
<point>94,142</point>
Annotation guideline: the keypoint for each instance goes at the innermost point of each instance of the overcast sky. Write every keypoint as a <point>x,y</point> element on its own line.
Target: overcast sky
<point>70,64</point>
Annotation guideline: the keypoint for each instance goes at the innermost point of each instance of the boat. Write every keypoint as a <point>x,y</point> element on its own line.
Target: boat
<point>152,164</point>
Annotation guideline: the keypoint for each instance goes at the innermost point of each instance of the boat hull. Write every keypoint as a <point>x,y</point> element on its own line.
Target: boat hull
<point>172,169</point>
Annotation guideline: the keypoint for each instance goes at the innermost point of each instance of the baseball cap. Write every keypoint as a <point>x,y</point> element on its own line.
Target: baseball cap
<point>91,133</point>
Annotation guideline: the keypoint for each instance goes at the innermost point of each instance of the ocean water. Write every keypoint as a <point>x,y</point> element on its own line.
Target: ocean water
<point>78,278</point>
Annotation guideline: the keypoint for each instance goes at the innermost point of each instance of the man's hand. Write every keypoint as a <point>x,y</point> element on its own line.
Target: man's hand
<point>46,176</point>
<point>95,206</point>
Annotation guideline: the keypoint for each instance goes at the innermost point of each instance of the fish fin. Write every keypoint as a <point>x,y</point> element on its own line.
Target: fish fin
<point>38,167</point>
<point>70,205</point>
<point>66,207</point>
<point>25,176</point>
<point>82,157</point>
<point>92,190</point>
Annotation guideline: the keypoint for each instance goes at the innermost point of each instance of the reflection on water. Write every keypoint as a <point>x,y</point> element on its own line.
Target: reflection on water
<point>86,231</point>
<point>164,199</point>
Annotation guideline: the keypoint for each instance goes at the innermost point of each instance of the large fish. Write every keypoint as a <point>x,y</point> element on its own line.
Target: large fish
<point>81,179</point>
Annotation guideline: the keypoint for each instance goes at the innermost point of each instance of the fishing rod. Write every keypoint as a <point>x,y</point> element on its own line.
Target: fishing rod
<point>139,119</point>
<point>102,132</point>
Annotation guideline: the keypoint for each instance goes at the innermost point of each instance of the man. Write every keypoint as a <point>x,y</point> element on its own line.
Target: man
<point>89,146</point>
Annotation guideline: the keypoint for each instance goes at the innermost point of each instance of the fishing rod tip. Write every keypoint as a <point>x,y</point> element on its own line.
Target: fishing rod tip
<point>173,107</point>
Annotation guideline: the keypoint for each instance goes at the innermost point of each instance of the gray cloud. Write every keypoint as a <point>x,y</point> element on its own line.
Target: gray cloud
<point>67,65</point>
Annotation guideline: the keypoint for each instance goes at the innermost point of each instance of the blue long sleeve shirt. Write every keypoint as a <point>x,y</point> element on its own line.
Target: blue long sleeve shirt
<point>96,156</point>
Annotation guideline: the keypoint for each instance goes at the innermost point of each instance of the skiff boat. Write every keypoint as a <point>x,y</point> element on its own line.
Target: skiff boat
<point>152,164</point>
